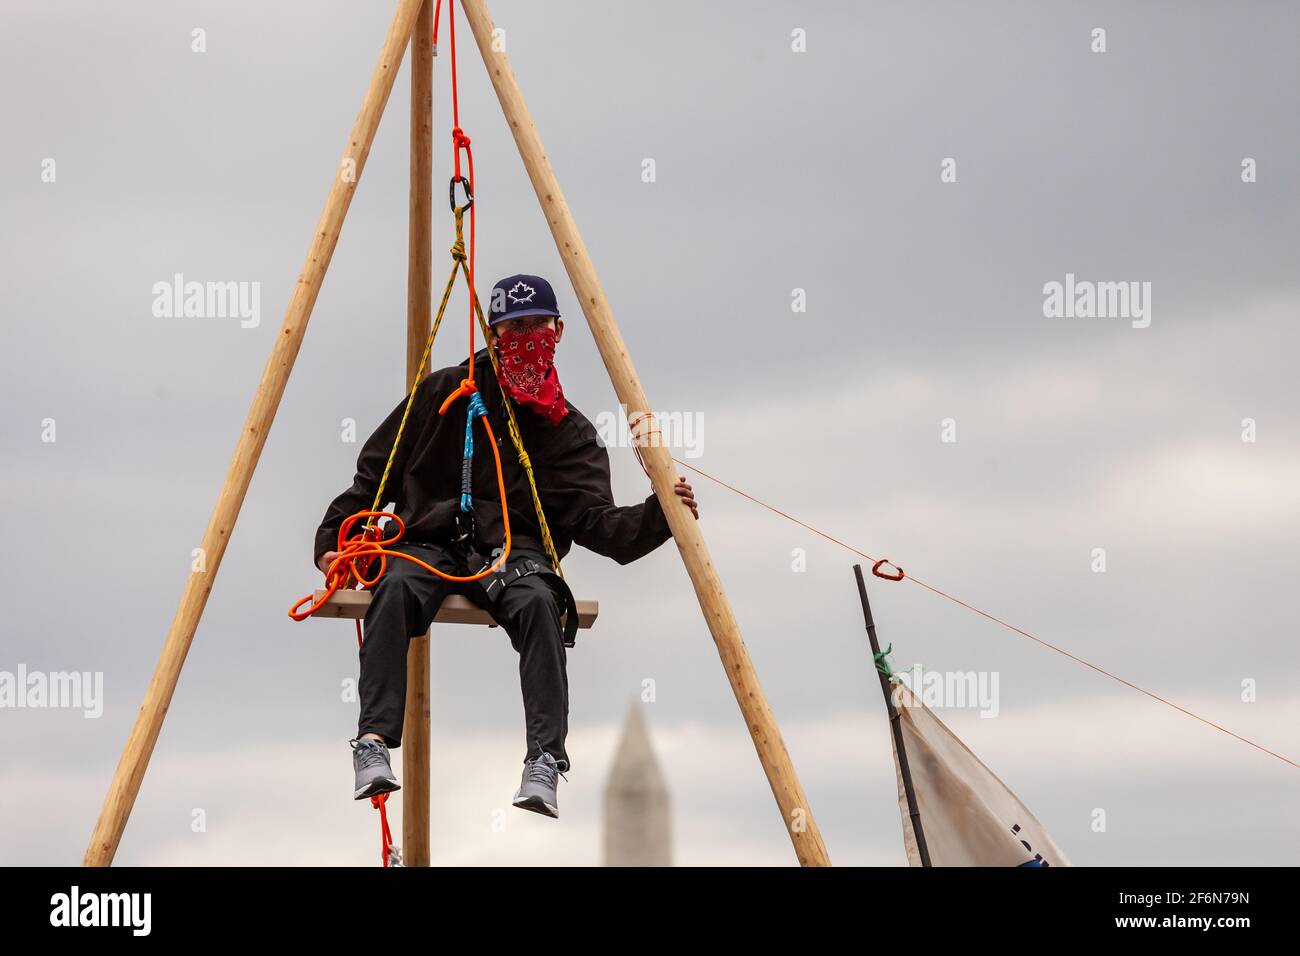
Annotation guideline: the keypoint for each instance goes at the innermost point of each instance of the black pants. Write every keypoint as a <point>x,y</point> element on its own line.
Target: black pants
<point>404,604</point>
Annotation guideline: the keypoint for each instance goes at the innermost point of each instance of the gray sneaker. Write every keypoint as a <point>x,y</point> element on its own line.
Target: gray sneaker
<point>537,789</point>
<point>374,772</point>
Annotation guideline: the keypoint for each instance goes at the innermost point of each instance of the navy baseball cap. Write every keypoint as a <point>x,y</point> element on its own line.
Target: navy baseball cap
<point>520,296</point>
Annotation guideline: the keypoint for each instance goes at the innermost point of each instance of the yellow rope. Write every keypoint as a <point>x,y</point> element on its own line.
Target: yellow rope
<point>458,257</point>
<point>458,265</point>
<point>517,439</point>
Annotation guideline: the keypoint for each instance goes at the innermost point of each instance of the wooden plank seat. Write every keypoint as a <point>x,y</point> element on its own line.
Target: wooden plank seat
<point>456,609</point>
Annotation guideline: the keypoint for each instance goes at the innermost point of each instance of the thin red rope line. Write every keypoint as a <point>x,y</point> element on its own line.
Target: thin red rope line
<point>473,246</point>
<point>469,159</point>
<point>996,620</point>
<point>455,95</point>
<point>437,21</point>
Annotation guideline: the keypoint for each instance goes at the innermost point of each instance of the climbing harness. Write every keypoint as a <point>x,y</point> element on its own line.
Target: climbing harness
<point>359,552</point>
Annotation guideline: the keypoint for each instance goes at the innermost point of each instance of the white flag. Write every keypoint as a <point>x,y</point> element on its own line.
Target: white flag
<point>969,816</point>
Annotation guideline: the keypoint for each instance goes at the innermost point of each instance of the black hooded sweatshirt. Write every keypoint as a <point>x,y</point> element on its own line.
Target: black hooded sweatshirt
<point>570,465</point>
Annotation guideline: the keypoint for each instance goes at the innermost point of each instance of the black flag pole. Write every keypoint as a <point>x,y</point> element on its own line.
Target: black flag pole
<point>894,724</point>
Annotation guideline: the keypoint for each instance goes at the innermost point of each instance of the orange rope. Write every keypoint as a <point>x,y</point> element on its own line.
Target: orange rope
<point>996,620</point>
<point>357,552</point>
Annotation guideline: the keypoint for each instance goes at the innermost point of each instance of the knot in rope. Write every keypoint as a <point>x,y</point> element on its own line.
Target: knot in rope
<point>466,387</point>
<point>476,407</point>
<point>459,138</point>
<point>458,249</point>
<point>882,664</point>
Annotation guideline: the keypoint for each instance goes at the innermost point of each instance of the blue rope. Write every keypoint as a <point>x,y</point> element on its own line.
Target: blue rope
<point>475,408</point>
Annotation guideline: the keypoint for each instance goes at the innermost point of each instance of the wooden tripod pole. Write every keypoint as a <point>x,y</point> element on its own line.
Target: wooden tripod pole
<point>772,754</point>
<point>148,723</point>
<point>419,278</point>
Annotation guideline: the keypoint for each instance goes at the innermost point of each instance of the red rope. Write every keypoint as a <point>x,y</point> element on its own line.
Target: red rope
<point>385,834</point>
<point>460,142</point>
<point>995,620</point>
<point>378,802</point>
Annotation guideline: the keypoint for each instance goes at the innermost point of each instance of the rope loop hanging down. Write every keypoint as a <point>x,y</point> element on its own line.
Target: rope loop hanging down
<point>389,852</point>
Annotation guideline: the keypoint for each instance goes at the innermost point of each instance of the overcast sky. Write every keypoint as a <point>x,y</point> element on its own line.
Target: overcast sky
<point>775,170</point>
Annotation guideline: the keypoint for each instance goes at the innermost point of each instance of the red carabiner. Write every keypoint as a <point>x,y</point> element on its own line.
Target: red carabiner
<point>875,569</point>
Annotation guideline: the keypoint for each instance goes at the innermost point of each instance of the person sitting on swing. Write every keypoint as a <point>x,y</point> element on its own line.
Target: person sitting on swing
<point>525,597</point>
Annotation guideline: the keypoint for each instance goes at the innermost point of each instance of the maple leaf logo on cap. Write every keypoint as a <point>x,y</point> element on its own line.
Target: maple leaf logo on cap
<point>525,293</point>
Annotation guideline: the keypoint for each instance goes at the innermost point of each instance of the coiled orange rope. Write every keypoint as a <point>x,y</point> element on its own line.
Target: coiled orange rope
<point>358,552</point>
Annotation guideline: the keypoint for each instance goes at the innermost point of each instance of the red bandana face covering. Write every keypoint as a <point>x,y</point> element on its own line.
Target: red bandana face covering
<point>528,371</point>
